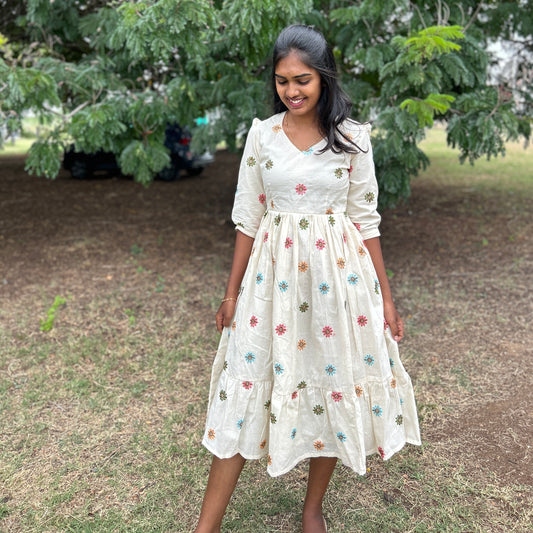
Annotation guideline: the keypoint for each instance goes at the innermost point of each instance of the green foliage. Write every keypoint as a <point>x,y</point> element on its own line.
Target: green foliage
<point>48,323</point>
<point>112,75</point>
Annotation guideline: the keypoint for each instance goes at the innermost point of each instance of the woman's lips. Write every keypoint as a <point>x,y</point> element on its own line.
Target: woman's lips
<point>297,102</point>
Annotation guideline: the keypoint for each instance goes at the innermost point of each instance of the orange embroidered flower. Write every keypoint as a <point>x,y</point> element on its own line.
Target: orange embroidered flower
<point>301,344</point>
<point>358,391</point>
<point>276,128</point>
<point>361,251</point>
<point>329,211</point>
<point>234,325</point>
<point>269,459</point>
<point>263,444</point>
<point>211,434</point>
<point>303,266</point>
<point>319,445</point>
<point>341,263</point>
<point>393,383</point>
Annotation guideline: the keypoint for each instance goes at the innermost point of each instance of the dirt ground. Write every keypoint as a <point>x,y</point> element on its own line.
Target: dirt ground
<point>461,260</point>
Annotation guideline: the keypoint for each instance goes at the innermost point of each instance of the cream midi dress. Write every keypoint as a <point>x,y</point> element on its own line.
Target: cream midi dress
<point>308,367</point>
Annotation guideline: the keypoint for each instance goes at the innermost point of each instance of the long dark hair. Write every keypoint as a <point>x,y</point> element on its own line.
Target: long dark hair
<point>333,106</point>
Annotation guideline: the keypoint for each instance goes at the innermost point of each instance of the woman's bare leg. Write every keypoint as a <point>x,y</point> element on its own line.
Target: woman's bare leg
<point>223,477</point>
<point>320,471</point>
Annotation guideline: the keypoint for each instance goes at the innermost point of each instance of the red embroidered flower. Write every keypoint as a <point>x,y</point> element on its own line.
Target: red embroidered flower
<point>301,189</point>
<point>262,198</point>
<point>254,321</point>
<point>385,325</point>
<point>265,238</point>
<point>351,168</point>
<point>247,385</point>
<point>381,452</point>
<point>281,329</point>
<point>337,396</point>
<point>288,242</point>
<point>357,225</point>
<point>362,320</point>
<point>294,395</point>
<point>327,331</point>
<point>320,244</point>
<point>344,237</point>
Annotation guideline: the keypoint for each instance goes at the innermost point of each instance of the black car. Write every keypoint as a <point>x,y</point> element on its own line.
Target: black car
<point>177,139</point>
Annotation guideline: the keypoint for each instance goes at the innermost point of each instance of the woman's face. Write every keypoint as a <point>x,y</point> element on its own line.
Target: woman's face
<point>298,85</point>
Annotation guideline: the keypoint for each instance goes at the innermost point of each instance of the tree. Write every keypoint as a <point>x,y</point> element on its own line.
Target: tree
<point>111,75</point>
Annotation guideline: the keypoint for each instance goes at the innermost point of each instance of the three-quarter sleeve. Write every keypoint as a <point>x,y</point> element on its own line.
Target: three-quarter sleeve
<point>250,205</point>
<point>363,192</point>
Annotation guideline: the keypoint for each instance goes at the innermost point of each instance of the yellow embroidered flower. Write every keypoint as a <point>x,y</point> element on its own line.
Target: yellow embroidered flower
<point>341,263</point>
<point>276,128</point>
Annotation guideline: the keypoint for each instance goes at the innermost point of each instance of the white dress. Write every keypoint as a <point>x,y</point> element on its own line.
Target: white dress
<point>308,368</point>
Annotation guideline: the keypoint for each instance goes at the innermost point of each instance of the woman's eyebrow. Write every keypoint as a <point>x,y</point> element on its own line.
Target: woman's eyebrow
<point>294,77</point>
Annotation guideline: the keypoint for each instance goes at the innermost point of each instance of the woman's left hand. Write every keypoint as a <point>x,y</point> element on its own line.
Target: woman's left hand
<point>394,320</point>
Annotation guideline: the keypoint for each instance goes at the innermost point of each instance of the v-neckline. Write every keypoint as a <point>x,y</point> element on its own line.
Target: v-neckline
<point>309,150</point>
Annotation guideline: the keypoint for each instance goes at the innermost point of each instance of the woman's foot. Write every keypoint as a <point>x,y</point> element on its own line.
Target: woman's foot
<point>313,523</point>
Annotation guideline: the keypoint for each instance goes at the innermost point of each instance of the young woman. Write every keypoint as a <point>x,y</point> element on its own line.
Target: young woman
<point>308,363</point>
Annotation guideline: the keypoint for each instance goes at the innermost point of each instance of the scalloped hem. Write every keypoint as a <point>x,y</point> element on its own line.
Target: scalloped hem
<point>303,457</point>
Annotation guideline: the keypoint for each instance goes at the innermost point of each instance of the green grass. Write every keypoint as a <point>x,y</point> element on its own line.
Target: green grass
<point>101,417</point>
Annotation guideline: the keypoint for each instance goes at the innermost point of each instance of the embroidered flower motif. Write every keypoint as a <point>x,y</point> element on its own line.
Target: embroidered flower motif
<point>293,433</point>
<point>253,321</point>
<point>251,161</point>
<point>341,263</point>
<point>320,244</point>
<point>357,226</point>
<point>337,396</point>
<point>304,223</point>
<point>240,423</point>
<point>273,418</point>
<point>331,220</point>
<point>276,128</point>
<point>393,383</point>
<point>259,278</point>
<point>318,410</point>
<point>288,243</point>
<point>399,420</point>
<point>283,286</point>
<point>391,362</point>
<point>272,204</point>
<point>338,173</point>
<point>211,434</point>
<point>376,286</point>
<point>351,169</point>
<point>401,401</point>
<point>309,151</point>
<point>263,444</point>
<point>222,395</point>
<point>265,238</point>
<point>303,266</point>
<point>301,189</point>
<point>369,197</point>
<point>369,360</point>
<point>318,444</point>
<point>301,344</point>
<point>362,320</point>
<point>327,331</point>
<point>262,198</point>
<point>278,369</point>
<point>330,370</point>
<point>341,436</point>
<point>294,395</point>
<point>249,357</point>
<point>358,391</point>
<point>225,365</point>
<point>267,404</point>
<point>281,329</point>
<point>304,307</point>
<point>377,410</point>
<point>361,251</point>
<point>329,211</point>
<point>269,164</point>
<point>269,459</point>
<point>234,325</point>
<point>323,288</point>
<point>381,452</point>
<point>301,385</point>
<point>277,220</point>
<point>247,385</point>
<point>344,237</point>
<point>353,279</point>
<point>385,325</point>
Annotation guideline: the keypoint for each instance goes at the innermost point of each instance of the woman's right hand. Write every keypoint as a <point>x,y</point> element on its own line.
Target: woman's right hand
<point>225,314</point>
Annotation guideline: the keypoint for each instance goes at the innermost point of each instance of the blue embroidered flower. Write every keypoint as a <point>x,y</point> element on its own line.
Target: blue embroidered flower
<point>278,369</point>
<point>401,401</point>
<point>249,357</point>
<point>353,279</point>
<point>391,362</point>
<point>309,151</point>
<point>293,433</point>
<point>323,288</point>
<point>283,286</point>
<point>240,423</point>
<point>377,410</point>
<point>330,370</point>
<point>369,360</point>
<point>259,278</point>
<point>341,436</point>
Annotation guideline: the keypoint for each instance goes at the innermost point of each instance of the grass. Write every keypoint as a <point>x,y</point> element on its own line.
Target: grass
<point>101,417</point>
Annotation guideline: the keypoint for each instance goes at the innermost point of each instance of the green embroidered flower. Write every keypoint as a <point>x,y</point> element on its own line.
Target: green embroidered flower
<point>225,367</point>
<point>269,164</point>
<point>376,286</point>
<point>240,224</point>
<point>250,161</point>
<point>304,307</point>
<point>369,197</point>
<point>222,395</point>
<point>304,223</point>
<point>338,173</point>
<point>318,409</point>
<point>331,220</point>
<point>399,420</point>
<point>301,385</point>
<point>267,404</point>
<point>273,418</point>
<point>277,220</point>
